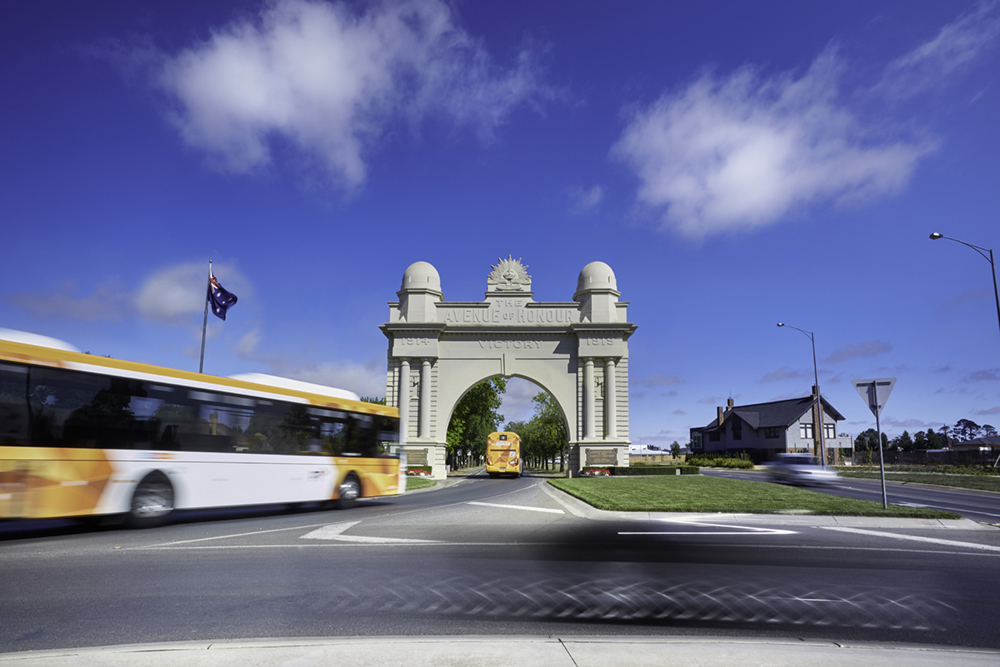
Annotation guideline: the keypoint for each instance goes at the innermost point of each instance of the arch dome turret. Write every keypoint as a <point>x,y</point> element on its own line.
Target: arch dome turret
<point>596,276</point>
<point>421,276</point>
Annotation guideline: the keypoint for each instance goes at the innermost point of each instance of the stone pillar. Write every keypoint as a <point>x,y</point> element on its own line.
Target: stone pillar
<point>588,398</point>
<point>425,399</point>
<point>610,413</point>
<point>404,400</point>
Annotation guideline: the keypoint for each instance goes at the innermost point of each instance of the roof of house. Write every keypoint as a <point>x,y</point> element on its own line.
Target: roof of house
<point>773,414</point>
<point>992,441</point>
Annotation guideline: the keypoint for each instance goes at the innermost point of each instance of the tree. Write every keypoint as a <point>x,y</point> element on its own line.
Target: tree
<point>675,449</point>
<point>474,418</point>
<point>868,441</point>
<point>903,442</point>
<point>551,428</point>
<point>965,429</point>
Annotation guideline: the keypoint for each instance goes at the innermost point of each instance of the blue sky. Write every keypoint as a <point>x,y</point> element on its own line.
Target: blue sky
<point>736,163</point>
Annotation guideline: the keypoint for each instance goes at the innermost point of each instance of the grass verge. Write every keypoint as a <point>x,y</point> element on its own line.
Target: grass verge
<point>413,483</point>
<point>690,493</point>
<point>976,482</point>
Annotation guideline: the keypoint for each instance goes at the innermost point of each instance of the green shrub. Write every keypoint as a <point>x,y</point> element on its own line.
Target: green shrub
<point>722,462</point>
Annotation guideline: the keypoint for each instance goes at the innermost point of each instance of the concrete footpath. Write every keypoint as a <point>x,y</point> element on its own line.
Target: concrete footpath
<point>545,651</point>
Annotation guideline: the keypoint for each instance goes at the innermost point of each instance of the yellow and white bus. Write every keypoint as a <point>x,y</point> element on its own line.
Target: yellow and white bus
<point>82,435</point>
<point>503,454</point>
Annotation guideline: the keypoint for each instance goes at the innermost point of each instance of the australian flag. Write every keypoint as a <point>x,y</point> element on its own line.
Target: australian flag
<point>220,299</point>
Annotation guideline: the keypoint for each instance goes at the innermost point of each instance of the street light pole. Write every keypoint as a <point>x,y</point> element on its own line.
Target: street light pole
<point>819,399</point>
<point>989,258</point>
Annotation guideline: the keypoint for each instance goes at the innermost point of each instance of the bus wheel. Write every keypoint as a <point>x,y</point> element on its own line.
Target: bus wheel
<point>350,490</point>
<point>494,475</point>
<point>152,501</point>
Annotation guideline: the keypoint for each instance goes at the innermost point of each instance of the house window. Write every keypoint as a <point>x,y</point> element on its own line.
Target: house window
<point>737,430</point>
<point>829,431</point>
<point>806,431</point>
<point>771,432</point>
<point>713,436</point>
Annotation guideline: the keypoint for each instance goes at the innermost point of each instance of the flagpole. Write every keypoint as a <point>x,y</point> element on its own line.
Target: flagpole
<point>204,324</point>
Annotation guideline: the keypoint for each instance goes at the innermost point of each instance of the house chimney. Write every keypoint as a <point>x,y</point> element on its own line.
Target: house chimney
<point>729,404</point>
<point>719,414</point>
<point>815,391</point>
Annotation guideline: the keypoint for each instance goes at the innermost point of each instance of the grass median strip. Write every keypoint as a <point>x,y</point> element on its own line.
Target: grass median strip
<point>976,482</point>
<point>694,493</point>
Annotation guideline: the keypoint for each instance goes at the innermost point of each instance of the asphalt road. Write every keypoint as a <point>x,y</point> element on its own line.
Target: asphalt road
<point>493,557</point>
<point>975,505</point>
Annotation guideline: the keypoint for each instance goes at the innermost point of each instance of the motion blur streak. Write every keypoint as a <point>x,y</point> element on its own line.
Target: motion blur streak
<point>654,600</point>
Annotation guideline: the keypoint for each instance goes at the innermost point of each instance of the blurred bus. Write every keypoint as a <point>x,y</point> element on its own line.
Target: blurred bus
<point>83,435</point>
<point>503,454</point>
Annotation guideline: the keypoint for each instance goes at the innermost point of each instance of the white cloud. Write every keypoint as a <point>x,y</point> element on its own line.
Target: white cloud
<point>954,304</point>
<point>328,81</point>
<point>784,373</point>
<point>956,45</point>
<point>656,380</point>
<point>362,379</point>
<point>108,302</point>
<point>247,344</point>
<point>517,404</point>
<point>583,200</point>
<point>741,152</point>
<point>860,351</point>
<point>175,294</point>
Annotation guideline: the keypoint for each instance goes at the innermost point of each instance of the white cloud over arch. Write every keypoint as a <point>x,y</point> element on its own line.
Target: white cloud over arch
<point>328,80</point>
<point>739,152</point>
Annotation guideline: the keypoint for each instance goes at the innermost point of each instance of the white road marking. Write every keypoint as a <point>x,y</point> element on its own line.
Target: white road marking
<point>519,507</point>
<point>335,531</point>
<point>224,537</point>
<point>913,538</point>
<point>738,530</point>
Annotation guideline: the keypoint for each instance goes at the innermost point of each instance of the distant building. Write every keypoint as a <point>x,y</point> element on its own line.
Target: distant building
<point>762,430</point>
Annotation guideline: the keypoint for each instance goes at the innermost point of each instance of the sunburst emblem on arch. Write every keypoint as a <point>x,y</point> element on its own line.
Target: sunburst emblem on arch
<point>509,275</point>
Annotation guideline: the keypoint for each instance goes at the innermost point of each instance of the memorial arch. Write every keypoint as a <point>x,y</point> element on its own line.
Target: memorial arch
<point>575,350</point>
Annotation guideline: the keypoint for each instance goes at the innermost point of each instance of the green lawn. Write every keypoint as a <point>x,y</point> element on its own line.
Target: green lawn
<point>413,483</point>
<point>977,482</point>
<point>694,493</point>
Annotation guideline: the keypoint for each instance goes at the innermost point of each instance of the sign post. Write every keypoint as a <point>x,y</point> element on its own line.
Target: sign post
<point>875,393</point>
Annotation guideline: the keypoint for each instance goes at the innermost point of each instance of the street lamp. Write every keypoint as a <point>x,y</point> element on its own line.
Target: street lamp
<point>989,258</point>
<point>819,400</point>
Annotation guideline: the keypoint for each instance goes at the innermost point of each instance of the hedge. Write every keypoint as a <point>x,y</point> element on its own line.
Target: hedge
<point>626,471</point>
<point>722,462</point>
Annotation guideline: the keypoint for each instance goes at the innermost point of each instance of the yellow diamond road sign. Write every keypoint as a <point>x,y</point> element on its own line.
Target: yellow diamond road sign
<point>875,392</point>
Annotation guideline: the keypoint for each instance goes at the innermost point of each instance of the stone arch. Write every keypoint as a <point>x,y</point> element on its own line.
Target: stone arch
<point>575,350</point>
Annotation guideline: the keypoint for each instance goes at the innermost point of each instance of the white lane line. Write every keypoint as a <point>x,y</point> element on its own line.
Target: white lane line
<point>696,523</point>
<point>518,507</point>
<point>224,537</point>
<point>912,538</point>
<point>335,532</point>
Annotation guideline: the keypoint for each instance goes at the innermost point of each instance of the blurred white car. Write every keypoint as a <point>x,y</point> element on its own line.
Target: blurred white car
<point>801,469</point>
